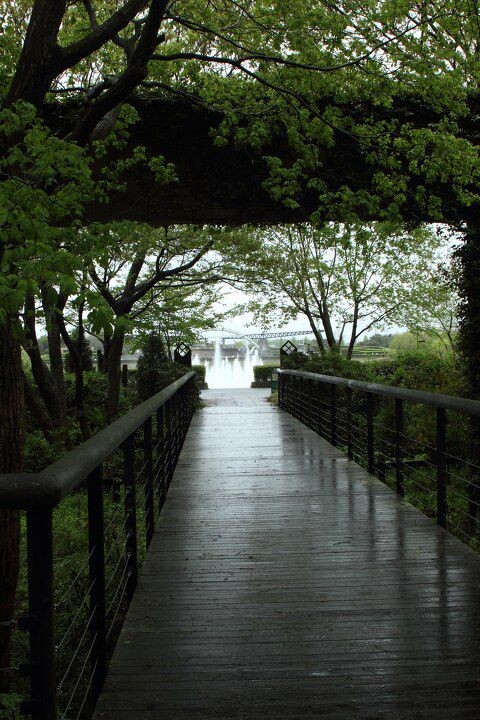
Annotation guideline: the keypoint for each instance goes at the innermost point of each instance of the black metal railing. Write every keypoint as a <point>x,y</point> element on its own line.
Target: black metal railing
<point>424,445</point>
<point>109,491</point>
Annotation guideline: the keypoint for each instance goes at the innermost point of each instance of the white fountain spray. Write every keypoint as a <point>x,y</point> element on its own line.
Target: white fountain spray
<point>231,372</point>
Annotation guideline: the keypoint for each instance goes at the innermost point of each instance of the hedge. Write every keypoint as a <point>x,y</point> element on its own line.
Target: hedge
<point>263,373</point>
<point>200,372</point>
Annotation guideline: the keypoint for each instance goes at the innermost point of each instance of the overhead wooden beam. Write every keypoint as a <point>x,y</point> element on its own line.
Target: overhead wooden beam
<point>225,185</point>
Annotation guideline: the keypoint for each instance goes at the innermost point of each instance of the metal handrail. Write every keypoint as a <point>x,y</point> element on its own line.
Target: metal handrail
<point>448,402</point>
<point>168,415</point>
<point>335,418</point>
<point>47,488</point>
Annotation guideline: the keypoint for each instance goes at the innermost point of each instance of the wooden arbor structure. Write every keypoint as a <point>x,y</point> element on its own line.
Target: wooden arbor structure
<point>226,185</point>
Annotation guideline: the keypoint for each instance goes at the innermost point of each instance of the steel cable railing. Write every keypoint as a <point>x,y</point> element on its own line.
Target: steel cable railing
<point>72,629</point>
<point>429,456</point>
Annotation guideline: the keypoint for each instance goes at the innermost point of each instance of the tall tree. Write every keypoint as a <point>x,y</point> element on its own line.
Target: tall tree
<point>180,314</point>
<point>434,306</point>
<point>345,279</point>
<point>137,265</point>
<point>42,188</point>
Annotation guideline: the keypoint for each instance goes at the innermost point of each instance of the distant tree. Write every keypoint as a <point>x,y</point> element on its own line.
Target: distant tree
<point>434,307</point>
<point>404,341</point>
<point>137,266</point>
<point>180,314</point>
<point>377,340</point>
<point>150,365</point>
<point>344,279</point>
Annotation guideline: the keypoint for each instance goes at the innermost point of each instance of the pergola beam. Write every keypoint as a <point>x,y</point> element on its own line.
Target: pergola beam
<point>225,185</point>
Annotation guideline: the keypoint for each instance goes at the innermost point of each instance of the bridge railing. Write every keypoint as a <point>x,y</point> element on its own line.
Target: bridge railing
<point>89,517</point>
<point>424,445</point>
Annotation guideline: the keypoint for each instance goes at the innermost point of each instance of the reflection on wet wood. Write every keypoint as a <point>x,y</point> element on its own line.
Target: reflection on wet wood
<point>285,582</point>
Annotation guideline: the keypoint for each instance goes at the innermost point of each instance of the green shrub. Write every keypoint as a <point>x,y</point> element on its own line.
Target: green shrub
<point>332,364</point>
<point>94,394</point>
<point>338,366</point>
<point>263,373</point>
<point>419,370</point>
<point>200,372</point>
<point>39,452</point>
<point>154,371</point>
<point>295,361</point>
<point>151,380</point>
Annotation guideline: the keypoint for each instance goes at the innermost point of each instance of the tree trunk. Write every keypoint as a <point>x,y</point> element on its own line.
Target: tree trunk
<point>36,66</point>
<point>56,363</point>
<point>47,387</point>
<point>12,431</point>
<point>42,375</point>
<point>55,349</point>
<point>469,345</point>
<point>37,408</point>
<point>329,333</point>
<point>353,335</point>
<point>76,353</point>
<point>114,358</point>
<point>317,334</point>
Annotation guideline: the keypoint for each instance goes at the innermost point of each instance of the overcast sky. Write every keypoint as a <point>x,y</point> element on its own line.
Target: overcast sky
<point>243,323</point>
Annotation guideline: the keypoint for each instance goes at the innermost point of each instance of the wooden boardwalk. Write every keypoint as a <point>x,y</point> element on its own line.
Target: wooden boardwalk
<point>285,582</point>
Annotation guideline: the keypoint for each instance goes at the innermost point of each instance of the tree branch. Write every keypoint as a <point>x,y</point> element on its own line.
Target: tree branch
<point>135,72</point>
<point>74,53</point>
<point>143,288</point>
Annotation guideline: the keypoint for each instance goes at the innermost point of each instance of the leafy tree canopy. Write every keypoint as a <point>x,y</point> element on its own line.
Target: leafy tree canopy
<point>344,279</point>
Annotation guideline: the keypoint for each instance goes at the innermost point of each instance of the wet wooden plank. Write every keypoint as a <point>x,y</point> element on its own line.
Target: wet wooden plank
<point>283,582</point>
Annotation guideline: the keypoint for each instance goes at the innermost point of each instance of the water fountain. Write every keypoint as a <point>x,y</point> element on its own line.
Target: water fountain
<point>230,372</point>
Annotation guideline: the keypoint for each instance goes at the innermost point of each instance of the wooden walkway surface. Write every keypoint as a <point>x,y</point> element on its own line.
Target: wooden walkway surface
<point>285,582</point>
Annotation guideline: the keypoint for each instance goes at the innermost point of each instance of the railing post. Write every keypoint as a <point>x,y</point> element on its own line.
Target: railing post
<point>308,401</point>
<point>96,547</point>
<point>169,442</point>
<point>160,478</point>
<point>179,426</point>
<point>349,423</point>
<point>191,401</point>
<point>176,430</point>
<point>125,375</point>
<point>370,435</point>
<point>183,418</point>
<point>40,620</point>
<point>333,414</point>
<point>298,399</point>
<point>148,459</point>
<point>185,413</point>
<point>398,446</point>
<point>281,399</point>
<point>441,468</point>
<point>294,381</point>
<point>130,515</point>
<point>318,411</point>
